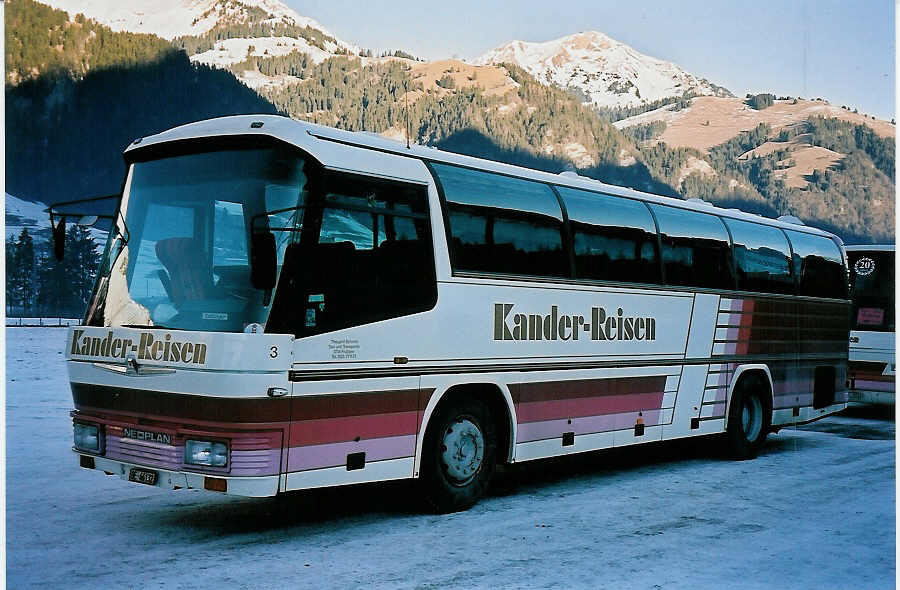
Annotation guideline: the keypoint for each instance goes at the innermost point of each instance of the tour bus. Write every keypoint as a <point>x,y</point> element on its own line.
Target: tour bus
<point>872,355</point>
<point>284,305</point>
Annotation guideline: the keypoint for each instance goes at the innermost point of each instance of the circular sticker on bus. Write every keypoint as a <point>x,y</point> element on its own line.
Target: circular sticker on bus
<point>864,266</point>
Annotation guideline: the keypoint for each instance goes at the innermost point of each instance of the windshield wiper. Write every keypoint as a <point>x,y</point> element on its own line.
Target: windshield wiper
<point>156,326</point>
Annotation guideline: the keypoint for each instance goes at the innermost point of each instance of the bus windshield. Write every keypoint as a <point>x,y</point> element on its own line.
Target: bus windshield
<point>179,255</point>
<point>873,290</point>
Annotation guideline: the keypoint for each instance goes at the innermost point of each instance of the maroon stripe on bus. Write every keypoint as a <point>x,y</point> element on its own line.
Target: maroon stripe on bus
<point>579,388</point>
<point>351,428</point>
<point>873,377</point>
<point>179,406</point>
<point>314,407</point>
<point>584,407</point>
<point>185,407</point>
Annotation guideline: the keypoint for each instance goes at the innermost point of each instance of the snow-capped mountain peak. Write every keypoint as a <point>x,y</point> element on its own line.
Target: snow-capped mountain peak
<point>176,18</point>
<point>219,33</point>
<point>609,73</point>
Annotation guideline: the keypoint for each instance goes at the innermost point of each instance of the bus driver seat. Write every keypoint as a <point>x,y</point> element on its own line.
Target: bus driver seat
<point>187,276</point>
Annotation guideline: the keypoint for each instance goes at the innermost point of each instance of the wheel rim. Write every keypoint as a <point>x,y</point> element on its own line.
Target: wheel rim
<point>751,417</point>
<point>462,451</point>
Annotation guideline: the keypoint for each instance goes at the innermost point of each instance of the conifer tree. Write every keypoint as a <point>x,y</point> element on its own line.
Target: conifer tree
<point>26,268</point>
<point>20,273</point>
<point>12,297</point>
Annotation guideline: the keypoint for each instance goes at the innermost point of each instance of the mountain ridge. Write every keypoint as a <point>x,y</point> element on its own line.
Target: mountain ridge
<point>607,72</point>
<point>177,18</point>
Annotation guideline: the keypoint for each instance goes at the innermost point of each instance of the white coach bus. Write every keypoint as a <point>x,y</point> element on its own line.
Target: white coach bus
<point>285,306</point>
<point>872,368</point>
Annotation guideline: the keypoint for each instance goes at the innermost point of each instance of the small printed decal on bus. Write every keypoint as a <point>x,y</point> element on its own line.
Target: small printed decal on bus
<point>864,266</point>
<point>344,348</point>
<point>553,326</point>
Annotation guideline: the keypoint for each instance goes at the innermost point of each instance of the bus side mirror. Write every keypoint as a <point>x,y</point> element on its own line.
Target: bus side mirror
<point>59,239</point>
<point>262,260</point>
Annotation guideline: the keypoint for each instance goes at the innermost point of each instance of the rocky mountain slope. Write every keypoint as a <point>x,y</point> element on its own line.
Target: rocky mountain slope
<point>605,72</point>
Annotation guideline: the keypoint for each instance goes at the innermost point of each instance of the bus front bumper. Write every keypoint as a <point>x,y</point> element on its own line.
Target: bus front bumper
<point>173,480</point>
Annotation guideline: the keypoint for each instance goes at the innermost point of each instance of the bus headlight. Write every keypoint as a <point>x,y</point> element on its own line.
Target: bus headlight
<point>87,437</point>
<point>205,452</point>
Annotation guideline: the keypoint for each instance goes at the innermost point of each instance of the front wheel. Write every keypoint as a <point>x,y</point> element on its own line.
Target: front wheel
<point>459,455</point>
<point>749,419</point>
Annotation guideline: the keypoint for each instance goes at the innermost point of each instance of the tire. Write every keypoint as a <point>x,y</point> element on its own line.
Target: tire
<point>458,455</point>
<point>749,418</point>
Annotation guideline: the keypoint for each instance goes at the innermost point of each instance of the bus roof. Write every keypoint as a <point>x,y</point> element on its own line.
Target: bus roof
<point>312,138</point>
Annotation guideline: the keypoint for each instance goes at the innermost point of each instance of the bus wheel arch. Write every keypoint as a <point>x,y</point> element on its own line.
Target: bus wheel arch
<point>465,432</point>
<point>748,415</point>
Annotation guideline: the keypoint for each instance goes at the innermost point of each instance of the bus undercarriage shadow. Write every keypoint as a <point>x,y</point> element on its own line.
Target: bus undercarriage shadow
<point>870,411</point>
<point>510,479</point>
<point>402,499</point>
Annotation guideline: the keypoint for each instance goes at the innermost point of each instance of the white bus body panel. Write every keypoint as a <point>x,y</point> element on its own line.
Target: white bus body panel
<point>873,349</point>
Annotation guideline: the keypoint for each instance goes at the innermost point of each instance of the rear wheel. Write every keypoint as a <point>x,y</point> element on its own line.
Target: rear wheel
<point>749,418</point>
<point>459,454</point>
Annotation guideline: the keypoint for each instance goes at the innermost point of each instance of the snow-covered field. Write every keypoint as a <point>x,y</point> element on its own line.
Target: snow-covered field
<point>815,510</point>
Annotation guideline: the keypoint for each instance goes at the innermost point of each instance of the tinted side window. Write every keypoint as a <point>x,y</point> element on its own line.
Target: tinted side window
<point>818,263</point>
<point>614,238</point>
<point>761,257</point>
<point>502,224</point>
<point>696,250</point>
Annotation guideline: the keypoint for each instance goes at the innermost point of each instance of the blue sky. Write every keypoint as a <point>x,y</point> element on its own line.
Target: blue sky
<point>840,51</point>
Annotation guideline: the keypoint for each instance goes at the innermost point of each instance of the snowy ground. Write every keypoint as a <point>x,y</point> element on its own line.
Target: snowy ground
<point>815,510</point>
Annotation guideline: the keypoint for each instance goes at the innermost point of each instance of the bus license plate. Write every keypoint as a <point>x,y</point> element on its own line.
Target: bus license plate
<point>142,476</point>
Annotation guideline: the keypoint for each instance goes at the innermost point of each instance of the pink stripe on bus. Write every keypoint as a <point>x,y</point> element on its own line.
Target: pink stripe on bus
<point>335,455</point>
<point>548,429</point>
<point>591,406</point>
<point>260,462</point>
<point>330,430</point>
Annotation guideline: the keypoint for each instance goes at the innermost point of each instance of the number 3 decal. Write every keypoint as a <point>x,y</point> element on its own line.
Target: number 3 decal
<point>273,352</point>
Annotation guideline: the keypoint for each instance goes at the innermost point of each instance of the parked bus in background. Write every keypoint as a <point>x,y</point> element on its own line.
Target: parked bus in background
<point>872,340</point>
<point>284,305</point>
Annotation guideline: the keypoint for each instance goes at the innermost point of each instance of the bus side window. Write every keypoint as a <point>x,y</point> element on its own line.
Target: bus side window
<point>696,250</point>
<point>614,238</point>
<point>819,264</point>
<point>373,260</point>
<point>501,224</point>
<point>761,257</point>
